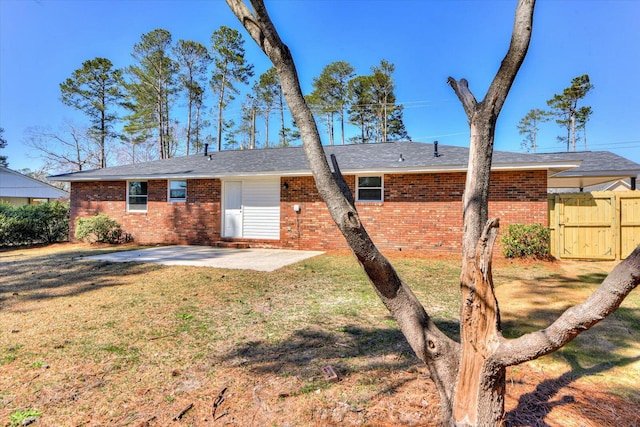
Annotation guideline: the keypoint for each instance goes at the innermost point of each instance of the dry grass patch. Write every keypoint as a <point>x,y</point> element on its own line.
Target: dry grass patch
<point>97,343</point>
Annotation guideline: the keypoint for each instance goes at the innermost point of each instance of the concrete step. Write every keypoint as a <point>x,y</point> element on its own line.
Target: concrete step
<point>231,244</point>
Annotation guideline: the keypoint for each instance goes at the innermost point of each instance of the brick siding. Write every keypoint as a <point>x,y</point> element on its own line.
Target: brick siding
<point>196,221</point>
<point>419,212</point>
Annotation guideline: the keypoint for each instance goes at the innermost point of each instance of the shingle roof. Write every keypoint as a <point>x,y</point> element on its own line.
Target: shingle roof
<point>597,167</point>
<point>594,163</point>
<point>355,158</point>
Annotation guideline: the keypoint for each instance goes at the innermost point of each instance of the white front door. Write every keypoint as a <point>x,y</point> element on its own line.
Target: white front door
<point>232,209</point>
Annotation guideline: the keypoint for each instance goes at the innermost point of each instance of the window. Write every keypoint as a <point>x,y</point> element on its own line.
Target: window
<point>137,196</point>
<point>178,191</point>
<point>369,189</point>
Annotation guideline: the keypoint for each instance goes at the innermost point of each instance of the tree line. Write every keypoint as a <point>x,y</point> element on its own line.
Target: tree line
<point>156,108</point>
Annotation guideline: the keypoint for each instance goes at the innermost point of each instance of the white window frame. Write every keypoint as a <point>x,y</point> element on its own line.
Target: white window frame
<point>145,195</point>
<point>176,199</point>
<point>381,188</point>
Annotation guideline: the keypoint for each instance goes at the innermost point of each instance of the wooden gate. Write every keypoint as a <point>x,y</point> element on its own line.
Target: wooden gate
<point>629,203</point>
<point>598,225</point>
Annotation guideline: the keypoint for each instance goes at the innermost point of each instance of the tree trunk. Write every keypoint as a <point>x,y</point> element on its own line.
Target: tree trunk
<point>342,123</point>
<point>283,134</point>
<point>196,146</point>
<point>384,119</point>
<point>573,132</point>
<point>252,144</point>
<point>189,114</point>
<point>329,118</point>
<point>103,136</point>
<point>160,127</point>
<point>220,105</point>
<point>479,398</point>
<point>266,128</point>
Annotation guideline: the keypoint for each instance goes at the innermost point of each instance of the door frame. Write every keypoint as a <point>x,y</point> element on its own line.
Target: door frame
<point>225,189</point>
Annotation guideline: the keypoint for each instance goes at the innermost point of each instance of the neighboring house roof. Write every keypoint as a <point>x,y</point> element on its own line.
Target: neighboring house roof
<point>291,161</point>
<point>618,185</point>
<point>15,184</point>
<point>597,167</point>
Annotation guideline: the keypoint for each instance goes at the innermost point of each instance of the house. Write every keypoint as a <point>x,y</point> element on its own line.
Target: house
<point>18,189</point>
<point>408,194</point>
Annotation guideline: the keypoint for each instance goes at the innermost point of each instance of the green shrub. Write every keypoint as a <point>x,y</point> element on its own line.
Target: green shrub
<point>100,228</point>
<point>29,224</point>
<point>526,240</point>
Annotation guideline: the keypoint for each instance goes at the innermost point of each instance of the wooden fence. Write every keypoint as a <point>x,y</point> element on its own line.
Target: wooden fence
<point>602,225</point>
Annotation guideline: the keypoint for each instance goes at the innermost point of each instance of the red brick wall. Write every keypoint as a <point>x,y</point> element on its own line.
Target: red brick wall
<point>195,222</point>
<point>419,212</point>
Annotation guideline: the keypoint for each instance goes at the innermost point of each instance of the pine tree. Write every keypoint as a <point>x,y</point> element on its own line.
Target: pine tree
<point>331,94</point>
<point>361,111</point>
<point>246,131</point>
<point>373,106</point>
<point>229,68</point>
<point>96,89</point>
<point>529,127</point>
<point>193,60</point>
<point>564,107</point>
<point>152,91</point>
<point>384,100</point>
<point>267,91</point>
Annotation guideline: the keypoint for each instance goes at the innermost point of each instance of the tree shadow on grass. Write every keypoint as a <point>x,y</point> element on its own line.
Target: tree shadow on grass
<point>559,281</point>
<point>60,274</point>
<point>534,407</point>
<point>349,349</point>
<point>590,353</point>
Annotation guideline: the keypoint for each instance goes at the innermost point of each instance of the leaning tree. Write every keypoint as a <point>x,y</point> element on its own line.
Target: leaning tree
<point>470,374</point>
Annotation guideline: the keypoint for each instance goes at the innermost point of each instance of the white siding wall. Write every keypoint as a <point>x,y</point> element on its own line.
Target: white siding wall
<point>14,184</point>
<point>261,208</point>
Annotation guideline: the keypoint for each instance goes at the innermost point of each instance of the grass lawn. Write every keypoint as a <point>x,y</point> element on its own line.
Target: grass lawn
<point>85,343</point>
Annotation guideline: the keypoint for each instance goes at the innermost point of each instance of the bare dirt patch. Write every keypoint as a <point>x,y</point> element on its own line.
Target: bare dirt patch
<point>95,343</point>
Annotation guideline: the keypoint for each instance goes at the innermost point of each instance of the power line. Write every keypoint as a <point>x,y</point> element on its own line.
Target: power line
<point>615,144</point>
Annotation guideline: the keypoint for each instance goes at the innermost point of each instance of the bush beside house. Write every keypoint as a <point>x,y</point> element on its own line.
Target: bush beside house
<point>32,224</point>
<point>100,229</point>
<point>526,241</point>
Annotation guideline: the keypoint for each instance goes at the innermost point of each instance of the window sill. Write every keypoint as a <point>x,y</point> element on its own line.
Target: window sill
<point>370,202</point>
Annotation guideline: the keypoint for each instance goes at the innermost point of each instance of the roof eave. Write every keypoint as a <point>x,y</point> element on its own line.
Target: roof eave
<point>559,166</point>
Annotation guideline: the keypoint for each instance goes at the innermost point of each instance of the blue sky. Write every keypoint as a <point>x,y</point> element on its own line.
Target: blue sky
<point>43,41</point>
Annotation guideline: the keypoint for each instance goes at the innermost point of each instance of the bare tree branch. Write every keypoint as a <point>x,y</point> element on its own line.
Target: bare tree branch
<point>461,89</point>
<point>520,38</point>
<point>577,319</point>
<point>482,118</point>
<point>68,150</point>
